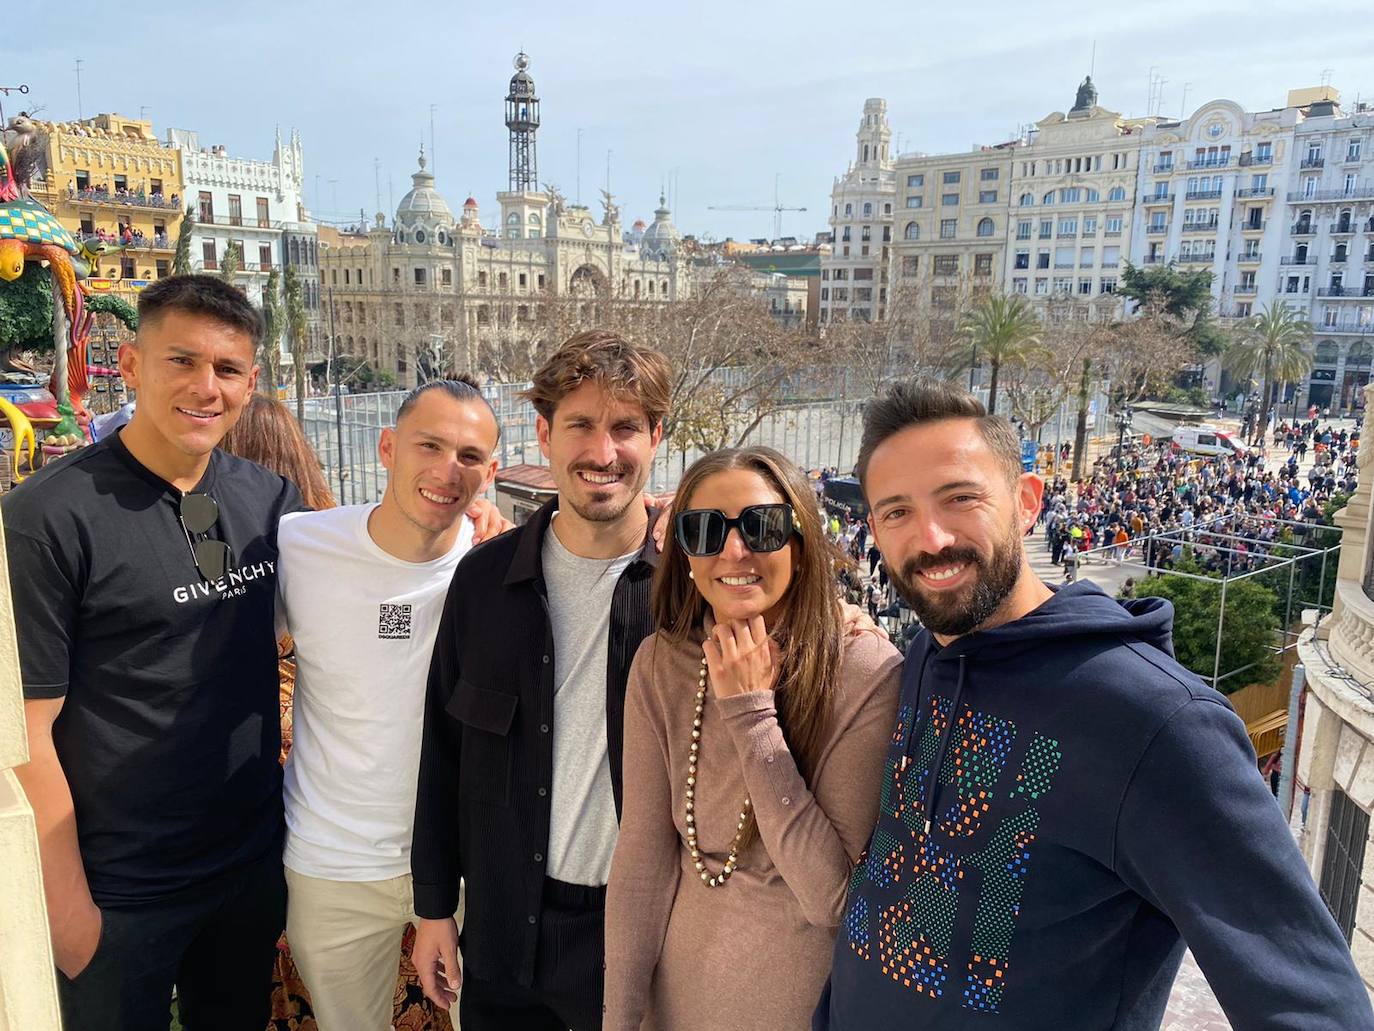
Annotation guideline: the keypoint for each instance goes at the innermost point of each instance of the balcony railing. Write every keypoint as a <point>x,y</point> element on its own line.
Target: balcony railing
<point>1312,162</point>
<point>1340,259</point>
<point>1164,168</point>
<point>240,221</point>
<point>1246,289</point>
<point>122,198</point>
<point>1201,227</point>
<point>1249,257</point>
<point>1154,259</point>
<point>148,243</point>
<point>1256,191</point>
<point>1304,229</point>
<point>1202,195</point>
<point>1157,198</point>
<point>1246,160</point>
<point>1347,326</point>
<point>1344,228</point>
<point>214,264</point>
<point>1297,289</point>
<point>1196,259</point>
<point>1345,291</point>
<point>1297,261</point>
<point>1209,162</point>
<point>1360,191</point>
<point>1154,230</point>
<point>1254,227</point>
<point>1112,232</point>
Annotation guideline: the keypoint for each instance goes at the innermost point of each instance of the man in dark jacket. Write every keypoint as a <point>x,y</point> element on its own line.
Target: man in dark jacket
<point>519,790</point>
<point>1065,806</point>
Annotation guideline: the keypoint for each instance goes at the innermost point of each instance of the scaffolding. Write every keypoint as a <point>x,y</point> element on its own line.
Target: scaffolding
<point>1247,555</point>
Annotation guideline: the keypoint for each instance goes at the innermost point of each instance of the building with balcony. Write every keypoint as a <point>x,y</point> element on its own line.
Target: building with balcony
<point>109,178</point>
<point>854,275</point>
<point>1207,188</point>
<point>1328,244</point>
<point>256,208</point>
<point>1335,759</point>
<point>1070,199</point>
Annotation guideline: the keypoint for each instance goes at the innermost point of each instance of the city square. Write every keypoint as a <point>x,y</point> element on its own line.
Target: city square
<point>577,365</point>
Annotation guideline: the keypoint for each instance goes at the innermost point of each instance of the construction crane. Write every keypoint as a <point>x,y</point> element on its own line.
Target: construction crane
<point>777,208</point>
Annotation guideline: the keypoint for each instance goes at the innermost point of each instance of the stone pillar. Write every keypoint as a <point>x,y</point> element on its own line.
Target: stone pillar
<point>1354,518</point>
<point>28,987</point>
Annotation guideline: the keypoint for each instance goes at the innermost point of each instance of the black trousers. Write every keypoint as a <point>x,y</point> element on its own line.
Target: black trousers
<point>216,943</point>
<point>569,971</point>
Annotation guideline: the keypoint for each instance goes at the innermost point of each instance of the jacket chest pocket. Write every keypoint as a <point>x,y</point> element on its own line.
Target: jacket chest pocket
<point>484,771</point>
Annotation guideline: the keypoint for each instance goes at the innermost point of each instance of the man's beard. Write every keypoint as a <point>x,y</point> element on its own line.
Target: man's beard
<point>962,611</point>
<point>604,509</point>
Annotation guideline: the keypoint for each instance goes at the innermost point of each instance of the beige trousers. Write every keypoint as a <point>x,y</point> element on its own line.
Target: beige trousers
<point>345,937</point>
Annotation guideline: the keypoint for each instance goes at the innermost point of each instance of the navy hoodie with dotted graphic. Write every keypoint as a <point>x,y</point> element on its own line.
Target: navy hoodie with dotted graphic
<point>1096,806</point>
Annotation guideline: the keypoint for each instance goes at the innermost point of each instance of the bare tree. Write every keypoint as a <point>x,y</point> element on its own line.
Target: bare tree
<point>1145,353</point>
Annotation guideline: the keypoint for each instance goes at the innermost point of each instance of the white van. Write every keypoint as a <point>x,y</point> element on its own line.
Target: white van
<point>1207,440</point>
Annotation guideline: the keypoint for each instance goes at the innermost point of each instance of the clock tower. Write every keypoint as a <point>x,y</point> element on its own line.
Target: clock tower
<point>524,209</point>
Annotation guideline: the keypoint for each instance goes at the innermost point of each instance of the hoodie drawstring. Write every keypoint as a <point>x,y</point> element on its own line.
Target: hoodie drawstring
<point>945,736</point>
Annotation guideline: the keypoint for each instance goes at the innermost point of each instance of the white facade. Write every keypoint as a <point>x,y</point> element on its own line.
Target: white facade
<point>257,206</point>
<point>1328,248</point>
<point>854,275</point>
<point>1071,198</point>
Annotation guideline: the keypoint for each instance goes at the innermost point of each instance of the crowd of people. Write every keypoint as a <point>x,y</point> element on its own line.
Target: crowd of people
<point>123,195</point>
<point>678,784</point>
<point>1227,512</point>
<point>129,236</point>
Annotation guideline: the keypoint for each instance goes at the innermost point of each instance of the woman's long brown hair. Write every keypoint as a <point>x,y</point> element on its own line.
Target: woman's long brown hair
<point>809,631</point>
<point>268,434</point>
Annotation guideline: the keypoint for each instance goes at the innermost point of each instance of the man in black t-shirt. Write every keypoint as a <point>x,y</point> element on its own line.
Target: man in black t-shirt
<point>143,571</point>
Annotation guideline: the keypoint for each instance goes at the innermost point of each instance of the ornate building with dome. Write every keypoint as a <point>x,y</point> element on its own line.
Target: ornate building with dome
<point>428,291</point>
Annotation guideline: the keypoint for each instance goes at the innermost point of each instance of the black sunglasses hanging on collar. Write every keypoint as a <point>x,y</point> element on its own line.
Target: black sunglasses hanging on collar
<point>198,513</point>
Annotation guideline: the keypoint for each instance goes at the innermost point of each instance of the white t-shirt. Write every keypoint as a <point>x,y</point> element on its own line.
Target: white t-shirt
<point>364,623</point>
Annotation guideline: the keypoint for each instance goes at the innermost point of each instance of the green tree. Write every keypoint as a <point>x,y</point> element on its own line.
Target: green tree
<point>274,317</point>
<point>1183,294</point>
<point>1273,344</point>
<point>1248,635</point>
<point>232,262</point>
<point>181,259</point>
<point>1005,331</point>
<point>296,334</point>
<point>26,314</point>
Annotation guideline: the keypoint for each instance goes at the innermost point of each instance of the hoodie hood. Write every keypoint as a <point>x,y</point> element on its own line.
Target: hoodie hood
<point>1080,609</point>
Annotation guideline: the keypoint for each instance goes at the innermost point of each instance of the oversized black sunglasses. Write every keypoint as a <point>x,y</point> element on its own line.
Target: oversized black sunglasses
<point>702,531</point>
<point>198,513</point>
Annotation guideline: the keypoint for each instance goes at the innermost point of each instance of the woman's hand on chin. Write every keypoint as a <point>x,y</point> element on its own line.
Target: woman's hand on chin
<point>740,656</point>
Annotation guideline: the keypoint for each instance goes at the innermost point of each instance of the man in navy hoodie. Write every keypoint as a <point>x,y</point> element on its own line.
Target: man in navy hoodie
<point>1064,805</point>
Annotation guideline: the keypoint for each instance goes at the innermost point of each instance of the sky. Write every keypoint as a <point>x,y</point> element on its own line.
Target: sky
<point>714,101</point>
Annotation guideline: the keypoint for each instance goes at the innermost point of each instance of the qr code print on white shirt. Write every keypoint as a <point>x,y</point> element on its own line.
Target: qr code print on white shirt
<point>393,623</point>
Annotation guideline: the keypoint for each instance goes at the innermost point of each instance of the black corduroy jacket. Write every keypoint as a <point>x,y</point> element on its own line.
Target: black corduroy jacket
<point>486,761</point>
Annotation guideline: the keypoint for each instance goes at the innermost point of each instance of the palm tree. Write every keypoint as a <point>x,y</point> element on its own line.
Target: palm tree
<point>1273,344</point>
<point>1003,329</point>
<point>295,335</point>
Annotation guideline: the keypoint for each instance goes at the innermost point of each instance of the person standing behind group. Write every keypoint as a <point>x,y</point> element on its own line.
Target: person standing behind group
<point>744,812</point>
<point>520,769</point>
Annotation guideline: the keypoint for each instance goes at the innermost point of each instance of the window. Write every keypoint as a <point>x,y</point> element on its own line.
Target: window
<point>1018,286</point>
<point>502,280</point>
<point>1042,286</point>
<point>1063,284</point>
<point>866,233</point>
<point>1111,257</point>
<point>988,175</point>
<point>947,228</point>
<point>1063,257</point>
<point>861,293</point>
<point>396,276</point>
<point>83,179</point>
<point>126,267</point>
<point>207,207</point>
<point>844,234</point>
<point>1090,225</point>
<point>1343,859</point>
<point>419,277</point>
<point>1042,259</point>
<point>398,314</point>
<point>1093,196</point>
<point>987,196</point>
<point>1108,285</point>
<point>1068,227</point>
<point>1116,193</point>
<point>949,199</point>
<point>162,267</point>
<point>863,273</point>
<point>1048,198</point>
<point>946,264</point>
<point>523,280</point>
<point>1085,257</point>
<point>265,257</point>
<point>1113,225</point>
<point>951,177</point>
<point>1027,200</point>
<point>1046,228</point>
<point>207,254</point>
<point>849,209</point>
<point>913,202</point>
<point>909,265</point>
<point>263,220</point>
<point>235,210</point>
<point>1022,260</point>
<point>540,281</point>
<point>446,277</point>
<point>1264,152</point>
<point>1071,195</point>
<point>482,278</point>
<point>1023,229</point>
<point>868,208</point>
<point>88,224</point>
<point>825,291</point>
<point>915,181</point>
<point>1085,286</point>
<point>842,273</point>
<point>982,264</point>
<point>887,209</point>
<point>985,227</point>
<point>1352,150</point>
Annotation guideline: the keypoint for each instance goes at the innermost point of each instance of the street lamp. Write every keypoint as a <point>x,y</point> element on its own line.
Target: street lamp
<point>1123,426</point>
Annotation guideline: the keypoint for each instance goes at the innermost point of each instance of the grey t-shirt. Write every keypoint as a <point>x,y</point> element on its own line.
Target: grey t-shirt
<point>582,821</point>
